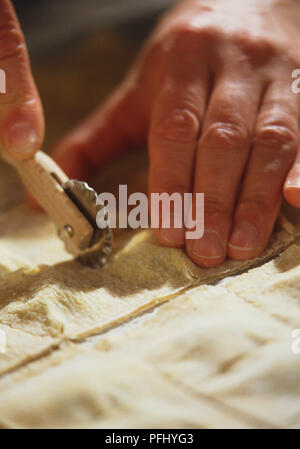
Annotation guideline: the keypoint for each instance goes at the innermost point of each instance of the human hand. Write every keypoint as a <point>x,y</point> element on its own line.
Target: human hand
<point>211,92</point>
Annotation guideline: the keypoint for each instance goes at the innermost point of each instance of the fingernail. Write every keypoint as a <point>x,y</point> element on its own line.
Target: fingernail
<point>210,246</point>
<point>245,237</point>
<point>22,138</point>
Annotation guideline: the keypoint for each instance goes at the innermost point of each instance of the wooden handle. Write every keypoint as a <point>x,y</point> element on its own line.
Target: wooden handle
<point>44,179</point>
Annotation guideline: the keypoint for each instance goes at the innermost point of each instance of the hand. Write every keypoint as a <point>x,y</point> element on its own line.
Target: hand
<point>212,93</point>
<point>21,115</point>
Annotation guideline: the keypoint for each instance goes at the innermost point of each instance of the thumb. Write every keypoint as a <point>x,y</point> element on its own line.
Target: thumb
<point>116,126</point>
<point>21,116</point>
<point>291,188</point>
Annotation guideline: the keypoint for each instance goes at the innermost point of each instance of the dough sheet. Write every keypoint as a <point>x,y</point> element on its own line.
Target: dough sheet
<point>90,348</point>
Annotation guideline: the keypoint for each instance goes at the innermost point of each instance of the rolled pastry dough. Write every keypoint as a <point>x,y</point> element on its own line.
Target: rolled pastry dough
<point>166,371</point>
<point>67,301</point>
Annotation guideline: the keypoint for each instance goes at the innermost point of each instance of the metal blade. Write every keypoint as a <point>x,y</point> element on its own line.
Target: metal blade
<point>100,247</point>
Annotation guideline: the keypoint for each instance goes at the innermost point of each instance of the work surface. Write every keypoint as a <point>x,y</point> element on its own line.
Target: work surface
<point>145,341</point>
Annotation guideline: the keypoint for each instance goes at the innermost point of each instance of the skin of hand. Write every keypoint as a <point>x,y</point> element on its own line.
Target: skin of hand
<point>211,94</point>
<point>21,114</point>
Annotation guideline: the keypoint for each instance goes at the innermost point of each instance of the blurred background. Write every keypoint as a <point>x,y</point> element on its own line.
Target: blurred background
<point>50,25</point>
<point>80,50</point>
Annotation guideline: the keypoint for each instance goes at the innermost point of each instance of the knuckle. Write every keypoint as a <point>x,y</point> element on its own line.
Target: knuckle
<point>185,36</point>
<point>227,136</point>
<point>183,32</point>
<point>12,43</point>
<point>180,125</point>
<point>291,59</point>
<point>258,48</point>
<point>279,138</point>
<point>210,32</point>
<point>180,37</point>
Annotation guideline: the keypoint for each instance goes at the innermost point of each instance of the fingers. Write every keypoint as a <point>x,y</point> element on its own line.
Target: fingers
<point>221,157</point>
<point>118,125</point>
<point>175,126</point>
<point>274,150</point>
<point>21,116</point>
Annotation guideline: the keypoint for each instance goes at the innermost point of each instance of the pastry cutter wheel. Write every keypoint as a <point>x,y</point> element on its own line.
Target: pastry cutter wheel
<point>71,204</point>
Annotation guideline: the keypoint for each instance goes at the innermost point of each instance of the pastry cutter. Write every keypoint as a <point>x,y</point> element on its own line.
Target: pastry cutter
<point>71,204</point>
